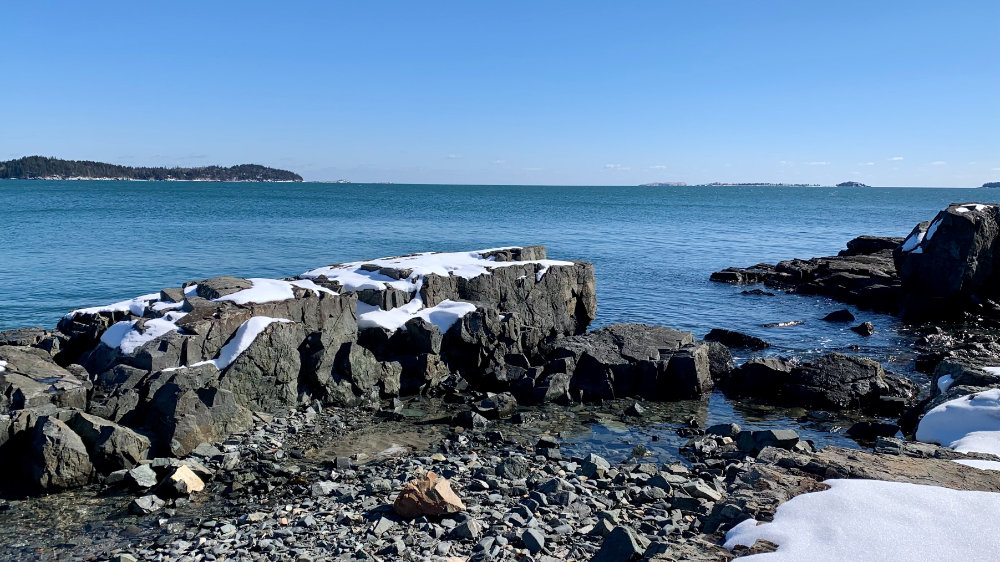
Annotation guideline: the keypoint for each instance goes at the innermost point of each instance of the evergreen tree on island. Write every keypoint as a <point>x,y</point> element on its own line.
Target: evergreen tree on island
<point>992,184</point>
<point>40,167</point>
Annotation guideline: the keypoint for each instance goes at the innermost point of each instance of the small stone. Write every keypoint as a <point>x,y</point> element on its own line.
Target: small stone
<point>698,489</point>
<point>595,466</point>
<point>864,328</point>
<point>621,545</point>
<point>382,527</point>
<point>534,540</point>
<point>146,505</point>
<point>514,468</point>
<point>142,477</point>
<point>635,410</point>
<point>322,488</point>
<point>471,529</point>
<point>184,481</point>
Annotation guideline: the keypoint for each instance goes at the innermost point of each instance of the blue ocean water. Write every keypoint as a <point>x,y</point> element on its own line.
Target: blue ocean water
<point>68,244</point>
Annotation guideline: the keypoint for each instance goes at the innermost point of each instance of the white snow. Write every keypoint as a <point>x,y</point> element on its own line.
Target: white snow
<point>160,306</point>
<point>126,337</point>
<point>460,264</point>
<point>444,315</point>
<point>992,370</point>
<point>980,464</point>
<point>241,340</point>
<point>913,241</point>
<point>971,207</point>
<point>271,290</point>
<point>872,520</point>
<point>136,306</point>
<point>931,230</point>
<point>945,382</point>
<point>3,365</point>
<point>309,284</point>
<point>967,424</point>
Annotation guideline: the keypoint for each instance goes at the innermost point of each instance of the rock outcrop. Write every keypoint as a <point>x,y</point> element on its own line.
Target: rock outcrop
<point>166,372</point>
<point>832,382</point>
<point>634,360</point>
<point>951,264</point>
<point>864,274</point>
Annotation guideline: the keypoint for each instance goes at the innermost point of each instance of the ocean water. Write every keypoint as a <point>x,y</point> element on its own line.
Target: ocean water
<point>68,244</point>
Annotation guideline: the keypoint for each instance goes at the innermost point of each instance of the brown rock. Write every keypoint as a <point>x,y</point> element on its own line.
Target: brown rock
<point>428,495</point>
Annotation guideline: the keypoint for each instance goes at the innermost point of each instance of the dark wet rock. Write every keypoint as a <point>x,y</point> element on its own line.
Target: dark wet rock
<point>842,315</point>
<point>739,340</point>
<point>758,292</point>
<point>947,264</point>
<point>111,446</point>
<point>753,442</point>
<point>497,405</point>
<point>218,287</point>
<point>720,360</point>
<point>724,430</point>
<point>514,468</point>
<point>864,275</point>
<point>621,360</point>
<point>869,430</point>
<point>762,376</point>
<point>864,329</point>
<point>833,382</point>
<point>868,245</point>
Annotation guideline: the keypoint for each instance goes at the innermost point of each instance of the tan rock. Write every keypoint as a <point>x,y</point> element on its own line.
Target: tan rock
<point>185,481</point>
<point>428,495</point>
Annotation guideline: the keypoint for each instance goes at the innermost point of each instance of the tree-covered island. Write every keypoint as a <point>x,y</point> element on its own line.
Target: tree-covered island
<point>42,168</point>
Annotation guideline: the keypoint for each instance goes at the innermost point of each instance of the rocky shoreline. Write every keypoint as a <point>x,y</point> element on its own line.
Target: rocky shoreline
<point>422,407</point>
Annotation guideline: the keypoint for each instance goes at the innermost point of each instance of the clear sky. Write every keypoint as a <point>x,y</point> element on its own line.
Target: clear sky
<point>884,92</point>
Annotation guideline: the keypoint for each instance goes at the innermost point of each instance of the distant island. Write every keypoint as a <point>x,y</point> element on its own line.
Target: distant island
<point>663,184</point>
<point>852,184</point>
<point>756,184</point>
<point>992,184</point>
<point>42,168</point>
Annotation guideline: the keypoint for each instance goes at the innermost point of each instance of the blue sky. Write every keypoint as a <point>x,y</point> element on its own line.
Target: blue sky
<point>888,93</point>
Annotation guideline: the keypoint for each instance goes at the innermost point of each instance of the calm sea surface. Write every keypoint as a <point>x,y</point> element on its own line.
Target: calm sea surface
<point>68,244</point>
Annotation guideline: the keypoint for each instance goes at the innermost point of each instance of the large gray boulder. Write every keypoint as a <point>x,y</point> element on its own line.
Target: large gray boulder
<point>635,360</point>
<point>951,264</point>
<point>265,377</point>
<point>111,447</point>
<point>832,382</point>
<point>57,458</point>
<point>30,378</point>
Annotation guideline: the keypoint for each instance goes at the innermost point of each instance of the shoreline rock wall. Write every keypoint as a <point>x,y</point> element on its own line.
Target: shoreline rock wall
<point>194,364</point>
